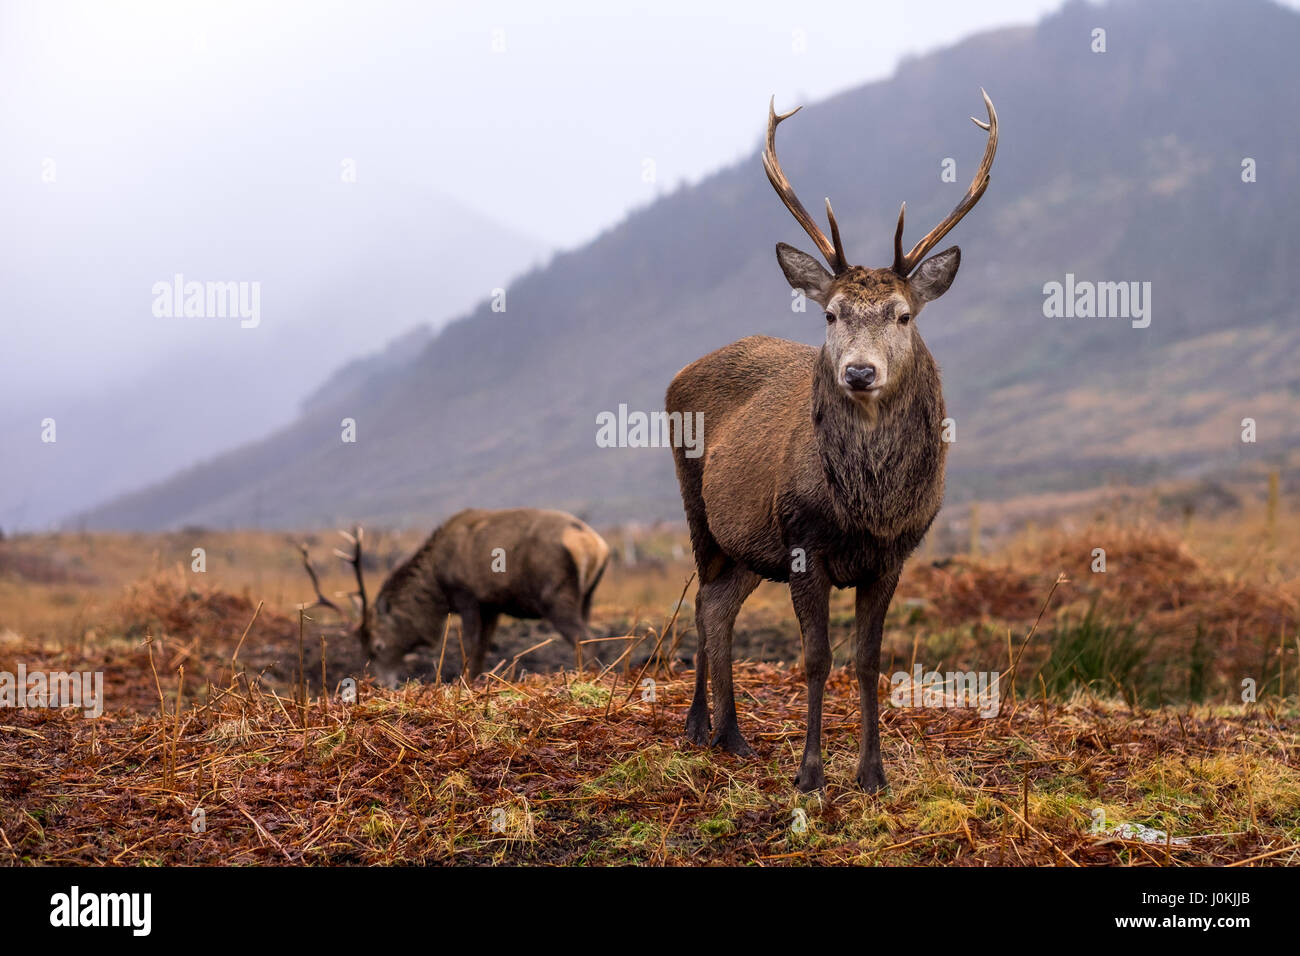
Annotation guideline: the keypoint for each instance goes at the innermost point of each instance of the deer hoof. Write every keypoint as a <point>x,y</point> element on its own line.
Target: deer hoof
<point>810,778</point>
<point>698,728</point>
<point>732,741</point>
<point>872,779</point>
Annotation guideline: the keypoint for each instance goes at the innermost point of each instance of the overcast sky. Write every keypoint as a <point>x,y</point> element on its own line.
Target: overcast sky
<point>544,126</point>
<point>185,119</point>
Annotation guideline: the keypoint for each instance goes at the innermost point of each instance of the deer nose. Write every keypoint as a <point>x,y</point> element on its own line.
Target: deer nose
<point>860,377</point>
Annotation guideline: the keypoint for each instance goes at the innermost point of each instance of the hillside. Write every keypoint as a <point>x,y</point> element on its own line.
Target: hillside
<point>1116,166</point>
<point>149,416</point>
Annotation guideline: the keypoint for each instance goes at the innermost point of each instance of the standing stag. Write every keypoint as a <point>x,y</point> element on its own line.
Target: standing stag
<point>524,562</point>
<point>821,467</point>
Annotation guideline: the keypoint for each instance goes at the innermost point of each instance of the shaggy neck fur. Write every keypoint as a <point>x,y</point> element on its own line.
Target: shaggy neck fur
<point>883,466</point>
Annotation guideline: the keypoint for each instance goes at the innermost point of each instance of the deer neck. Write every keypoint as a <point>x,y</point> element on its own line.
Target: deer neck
<point>883,465</point>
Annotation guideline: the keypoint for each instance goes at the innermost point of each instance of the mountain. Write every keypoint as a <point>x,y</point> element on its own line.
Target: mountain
<point>337,266</point>
<point>1116,166</point>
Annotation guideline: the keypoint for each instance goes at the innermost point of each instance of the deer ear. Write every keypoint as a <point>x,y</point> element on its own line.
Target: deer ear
<point>933,276</point>
<point>804,272</point>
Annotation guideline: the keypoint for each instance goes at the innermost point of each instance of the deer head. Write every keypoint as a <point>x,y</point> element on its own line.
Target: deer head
<point>391,626</point>
<point>870,313</point>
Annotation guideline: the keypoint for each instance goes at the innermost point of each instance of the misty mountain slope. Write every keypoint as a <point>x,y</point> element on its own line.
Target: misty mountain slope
<point>1115,166</point>
<point>338,266</point>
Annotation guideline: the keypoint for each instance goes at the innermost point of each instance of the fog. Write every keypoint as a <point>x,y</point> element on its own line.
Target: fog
<point>371,166</point>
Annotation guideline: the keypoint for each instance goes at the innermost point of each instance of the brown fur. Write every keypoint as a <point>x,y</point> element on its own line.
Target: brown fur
<point>552,564</point>
<point>796,463</point>
<point>823,469</point>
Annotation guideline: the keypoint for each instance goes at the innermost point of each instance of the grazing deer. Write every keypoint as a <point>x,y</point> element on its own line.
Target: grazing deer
<point>821,467</point>
<point>524,562</point>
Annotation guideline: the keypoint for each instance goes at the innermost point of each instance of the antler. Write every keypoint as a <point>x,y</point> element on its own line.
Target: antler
<point>355,560</point>
<point>321,599</point>
<point>904,264</point>
<point>831,249</point>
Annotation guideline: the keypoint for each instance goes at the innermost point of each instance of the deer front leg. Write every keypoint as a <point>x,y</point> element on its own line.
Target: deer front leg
<point>872,603</point>
<point>810,591</point>
<point>472,637</point>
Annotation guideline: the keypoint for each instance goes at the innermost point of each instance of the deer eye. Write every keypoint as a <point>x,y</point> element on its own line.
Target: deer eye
<point>905,318</point>
<point>830,317</point>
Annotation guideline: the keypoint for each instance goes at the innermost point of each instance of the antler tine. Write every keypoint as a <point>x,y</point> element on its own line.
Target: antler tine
<point>355,560</point>
<point>831,250</point>
<point>898,241</point>
<point>841,263</point>
<point>904,265</point>
<point>321,599</point>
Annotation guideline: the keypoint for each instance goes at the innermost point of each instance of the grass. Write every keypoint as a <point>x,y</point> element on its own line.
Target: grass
<point>1093,652</point>
<point>1137,725</point>
<point>409,776</point>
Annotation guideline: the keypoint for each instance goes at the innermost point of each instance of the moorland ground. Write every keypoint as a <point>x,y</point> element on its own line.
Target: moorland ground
<point>1126,731</point>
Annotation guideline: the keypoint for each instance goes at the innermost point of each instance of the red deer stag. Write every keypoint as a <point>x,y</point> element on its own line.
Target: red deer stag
<point>524,562</point>
<point>821,467</point>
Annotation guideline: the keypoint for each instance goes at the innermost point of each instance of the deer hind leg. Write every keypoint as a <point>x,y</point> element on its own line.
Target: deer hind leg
<point>586,598</point>
<point>810,593</point>
<point>487,626</point>
<point>698,728</point>
<point>717,605</point>
<point>710,562</point>
<point>584,614</point>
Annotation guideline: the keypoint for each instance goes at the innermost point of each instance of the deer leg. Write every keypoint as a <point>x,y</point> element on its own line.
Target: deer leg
<point>708,557</point>
<point>719,602</point>
<point>810,592</point>
<point>487,626</point>
<point>471,632</point>
<point>698,727</point>
<point>586,598</point>
<point>871,605</point>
